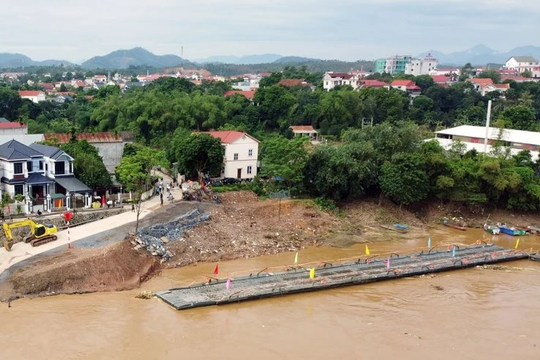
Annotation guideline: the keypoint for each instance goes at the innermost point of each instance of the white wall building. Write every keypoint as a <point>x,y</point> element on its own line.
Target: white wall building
<point>241,154</point>
<point>421,66</point>
<point>521,63</point>
<point>34,96</point>
<point>332,79</point>
<point>473,138</point>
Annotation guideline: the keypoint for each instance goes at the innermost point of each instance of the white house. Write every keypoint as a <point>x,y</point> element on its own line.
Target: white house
<point>421,66</point>
<point>332,79</point>
<point>34,96</point>
<point>305,131</point>
<point>473,138</point>
<point>521,63</point>
<point>42,174</point>
<point>241,154</point>
<point>110,146</point>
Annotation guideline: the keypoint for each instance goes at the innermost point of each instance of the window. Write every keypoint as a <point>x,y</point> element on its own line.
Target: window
<point>29,166</point>
<point>250,152</point>
<point>19,189</point>
<point>249,169</point>
<point>59,168</point>
<point>236,156</point>
<point>41,165</point>
<point>46,167</point>
<point>18,168</point>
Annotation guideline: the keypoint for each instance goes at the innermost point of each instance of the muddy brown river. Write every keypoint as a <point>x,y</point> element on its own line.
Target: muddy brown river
<point>465,314</point>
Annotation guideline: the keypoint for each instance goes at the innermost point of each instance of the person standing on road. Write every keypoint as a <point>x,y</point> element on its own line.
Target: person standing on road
<point>161,198</point>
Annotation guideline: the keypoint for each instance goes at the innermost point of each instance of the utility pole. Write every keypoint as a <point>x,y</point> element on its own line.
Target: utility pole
<point>487,126</point>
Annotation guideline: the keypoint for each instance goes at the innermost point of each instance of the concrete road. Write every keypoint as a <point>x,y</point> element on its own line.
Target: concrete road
<point>22,251</point>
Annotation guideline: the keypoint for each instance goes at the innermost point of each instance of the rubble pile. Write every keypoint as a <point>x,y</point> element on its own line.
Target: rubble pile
<point>155,238</point>
<point>194,191</point>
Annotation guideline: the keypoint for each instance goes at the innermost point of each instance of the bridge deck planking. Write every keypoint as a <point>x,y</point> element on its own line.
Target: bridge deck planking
<point>365,270</point>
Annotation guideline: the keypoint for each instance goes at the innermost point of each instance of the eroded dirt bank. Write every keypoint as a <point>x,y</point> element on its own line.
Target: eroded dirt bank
<point>242,226</point>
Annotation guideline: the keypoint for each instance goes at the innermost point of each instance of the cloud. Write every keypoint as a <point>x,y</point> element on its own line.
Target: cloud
<point>347,29</point>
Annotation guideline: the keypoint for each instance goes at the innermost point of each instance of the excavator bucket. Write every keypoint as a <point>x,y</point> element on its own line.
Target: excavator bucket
<point>7,245</point>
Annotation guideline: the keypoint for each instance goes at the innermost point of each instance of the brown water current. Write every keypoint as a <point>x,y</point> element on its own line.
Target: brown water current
<point>466,314</point>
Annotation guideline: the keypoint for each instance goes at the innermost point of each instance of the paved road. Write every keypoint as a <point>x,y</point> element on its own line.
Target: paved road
<point>22,251</point>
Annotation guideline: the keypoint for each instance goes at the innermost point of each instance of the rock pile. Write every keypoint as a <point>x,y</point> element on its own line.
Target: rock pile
<point>155,238</point>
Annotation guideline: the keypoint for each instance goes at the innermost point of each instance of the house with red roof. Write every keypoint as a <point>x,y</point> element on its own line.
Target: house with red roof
<point>33,95</point>
<point>110,146</point>
<point>247,94</point>
<point>442,80</point>
<point>373,84</point>
<point>13,128</point>
<point>406,85</point>
<point>305,131</point>
<point>241,154</point>
<point>486,85</point>
<point>295,83</point>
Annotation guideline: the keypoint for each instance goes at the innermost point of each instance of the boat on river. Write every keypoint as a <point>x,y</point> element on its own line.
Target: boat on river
<point>512,230</point>
<point>447,222</point>
<point>402,231</point>
<point>492,229</point>
<point>534,229</point>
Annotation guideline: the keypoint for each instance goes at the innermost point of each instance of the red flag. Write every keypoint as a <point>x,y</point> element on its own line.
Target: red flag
<point>216,269</point>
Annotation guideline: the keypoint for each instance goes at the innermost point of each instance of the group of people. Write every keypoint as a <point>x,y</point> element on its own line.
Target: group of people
<point>161,188</point>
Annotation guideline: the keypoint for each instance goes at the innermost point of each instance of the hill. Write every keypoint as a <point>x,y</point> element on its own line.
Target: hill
<point>8,60</point>
<point>123,59</point>
<point>482,55</point>
<point>240,60</point>
<point>294,60</point>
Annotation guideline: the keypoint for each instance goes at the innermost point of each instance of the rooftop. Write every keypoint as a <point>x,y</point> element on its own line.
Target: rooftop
<point>12,125</point>
<point>99,137</point>
<point>248,94</point>
<point>227,137</point>
<point>293,82</point>
<point>523,59</point>
<point>29,93</point>
<point>302,128</point>
<point>510,135</point>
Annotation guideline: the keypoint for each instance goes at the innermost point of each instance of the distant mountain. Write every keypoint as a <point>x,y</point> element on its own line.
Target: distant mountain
<point>53,62</point>
<point>482,55</point>
<point>122,59</point>
<point>8,60</point>
<point>244,60</point>
<point>293,60</point>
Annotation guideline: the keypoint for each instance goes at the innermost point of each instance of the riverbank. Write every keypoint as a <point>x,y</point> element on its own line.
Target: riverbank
<point>243,226</point>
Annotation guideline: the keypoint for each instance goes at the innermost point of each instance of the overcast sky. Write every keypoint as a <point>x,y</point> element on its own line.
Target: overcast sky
<point>328,29</point>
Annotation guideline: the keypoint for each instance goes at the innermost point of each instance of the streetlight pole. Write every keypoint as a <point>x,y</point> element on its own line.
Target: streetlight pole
<point>487,126</point>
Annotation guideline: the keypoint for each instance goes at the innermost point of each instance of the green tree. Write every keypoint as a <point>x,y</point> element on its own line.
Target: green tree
<point>10,103</point>
<point>341,172</point>
<point>198,154</point>
<point>285,159</point>
<point>88,166</point>
<point>134,172</point>
<point>490,74</point>
<point>520,117</point>
<point>403,179</point>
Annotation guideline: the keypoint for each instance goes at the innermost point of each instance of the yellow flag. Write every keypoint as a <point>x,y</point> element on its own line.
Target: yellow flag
<point>296,258</point>
<point>517,243</point>
<point>312,273</point>
<point>367,251</point>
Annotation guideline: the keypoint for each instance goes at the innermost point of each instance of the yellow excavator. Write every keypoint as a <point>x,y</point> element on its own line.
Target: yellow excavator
<point>40,233</point>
